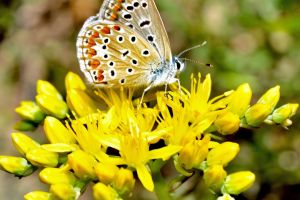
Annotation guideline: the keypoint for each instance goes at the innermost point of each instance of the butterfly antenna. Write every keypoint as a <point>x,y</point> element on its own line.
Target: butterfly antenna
<point>198,62</point>
<point>189,49</point>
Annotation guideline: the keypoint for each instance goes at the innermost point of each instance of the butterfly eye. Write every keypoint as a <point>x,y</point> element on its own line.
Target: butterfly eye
<point>179,65</point>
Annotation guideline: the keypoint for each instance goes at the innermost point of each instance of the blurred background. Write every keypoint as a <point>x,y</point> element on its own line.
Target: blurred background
<point>248,41</point>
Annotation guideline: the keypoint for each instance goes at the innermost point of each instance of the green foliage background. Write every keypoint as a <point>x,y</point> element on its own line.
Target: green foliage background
<point>248,41</point>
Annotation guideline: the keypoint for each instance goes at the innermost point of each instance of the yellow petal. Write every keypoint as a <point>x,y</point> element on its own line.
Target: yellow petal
<point>38,195</point>
<point>145,177</point>
<point>73,81</point>
<point>164,152</point>
<point>23,143</point>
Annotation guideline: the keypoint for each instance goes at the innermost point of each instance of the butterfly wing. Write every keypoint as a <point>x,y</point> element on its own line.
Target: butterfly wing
<point>143,17</point>
<point>112,54</point>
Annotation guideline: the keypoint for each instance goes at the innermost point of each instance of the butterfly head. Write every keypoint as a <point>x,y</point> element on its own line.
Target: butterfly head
<point>179,64</point>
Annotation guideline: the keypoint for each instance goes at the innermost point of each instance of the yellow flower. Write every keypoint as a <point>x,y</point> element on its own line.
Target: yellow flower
<point>46,88</point>
<point>284,112</point>
<point>225,197</point>
<point>80,102</point>
<point>52,106</point>
<point>23,143</point>
<point>106,172</point>
<point>103,192</point>
<point>64,191</point>
<point>29,110</point>
<point>82,164</point>
<point>257,113</point>
<point>56,132</point>
<point>227,123</point>
<point>54,176</point>
<point>194,152</point>
<point>73,81</point>
<point>238,182</point>
<point>42,158</point>
<point>222,154</point>
<point>270,97</point>
<point>124,181</point>
<point>214,176</point>
<point>38,195</point>
<point>16,165</point>
<point>240,100</point>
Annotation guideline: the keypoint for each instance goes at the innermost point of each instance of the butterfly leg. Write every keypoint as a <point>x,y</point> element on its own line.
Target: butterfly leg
<point>144,92</point>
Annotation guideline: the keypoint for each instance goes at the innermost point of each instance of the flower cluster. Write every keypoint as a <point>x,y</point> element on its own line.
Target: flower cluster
<point>108,139</point>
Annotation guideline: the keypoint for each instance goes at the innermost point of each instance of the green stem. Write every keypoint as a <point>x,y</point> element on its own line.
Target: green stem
<point>161,187</point>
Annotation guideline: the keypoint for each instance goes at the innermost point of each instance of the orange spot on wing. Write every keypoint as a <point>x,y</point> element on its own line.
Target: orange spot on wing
<point>113,17</point>
<point>105,30</point>
<point>94,63</point>
<point>95,35</point>
<point>91,42</point>
<point>91,52</point>
<point>117,28</point>
<point>100,75</point>
<point>117,7</point>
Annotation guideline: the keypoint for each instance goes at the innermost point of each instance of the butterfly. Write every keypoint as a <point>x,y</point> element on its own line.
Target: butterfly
<point>126,44</point>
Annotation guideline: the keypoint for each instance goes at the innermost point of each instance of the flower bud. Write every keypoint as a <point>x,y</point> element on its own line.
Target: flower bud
<point>73,81</point>
<point>64,191</point>
<point>240,100</point>
<point>80,102</point>
<point>60,147</point>
<point>284,112</point>
<point>227,123</point>
<point>238,182</point>
<point>56,132</point>
<point>82,164</point>
<point>257,113</point>
<point>222,154</point>
<point>47,89</point>
<point>41,157</point>
<point>106,172</point>
<point>271,97</point>
<point>38,195</point>
<point>103,192</point>
<point>16,165</point>
<point>194,152</point>
<point>52,106</point>
<point>23,143</point>
<point>225,197</point>
<point>25,126</point>
<point>29,110</point>
<point>52,176</point>
<point>124,181</point>
<point>214,176</point>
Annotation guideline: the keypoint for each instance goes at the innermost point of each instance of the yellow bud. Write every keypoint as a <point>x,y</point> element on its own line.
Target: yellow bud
<point>214,176</point>
<point>124,181</point>
<point>284,112</point>
<point>222,154</point>
<point>29,110</point>
<point>103,192</point>
<point>271,97</point>
<point>80,102</point>
<point>64,191</point>
<point>257,113</point>
<point>25,126</point>
<point>42,158</point>
<point>38,195</point>
<point>227,123</point>
<point>238,182</point>
<point>194,152</point>
<point>240,100</point>
<point>82,164</point>
<point>47,89</point>
<point>106,172</point>
<point>56,132</point>
<point>73,81</point>
<point>23,143</point>
<point>52,106</point>
<point>60,147</point>
<point>225,197</point>
<point>16,165</point>
<point>53,176</point>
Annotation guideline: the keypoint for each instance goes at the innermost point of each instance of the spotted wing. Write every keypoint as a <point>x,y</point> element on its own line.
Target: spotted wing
<point>143,17</point>
<point>111,54</point>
